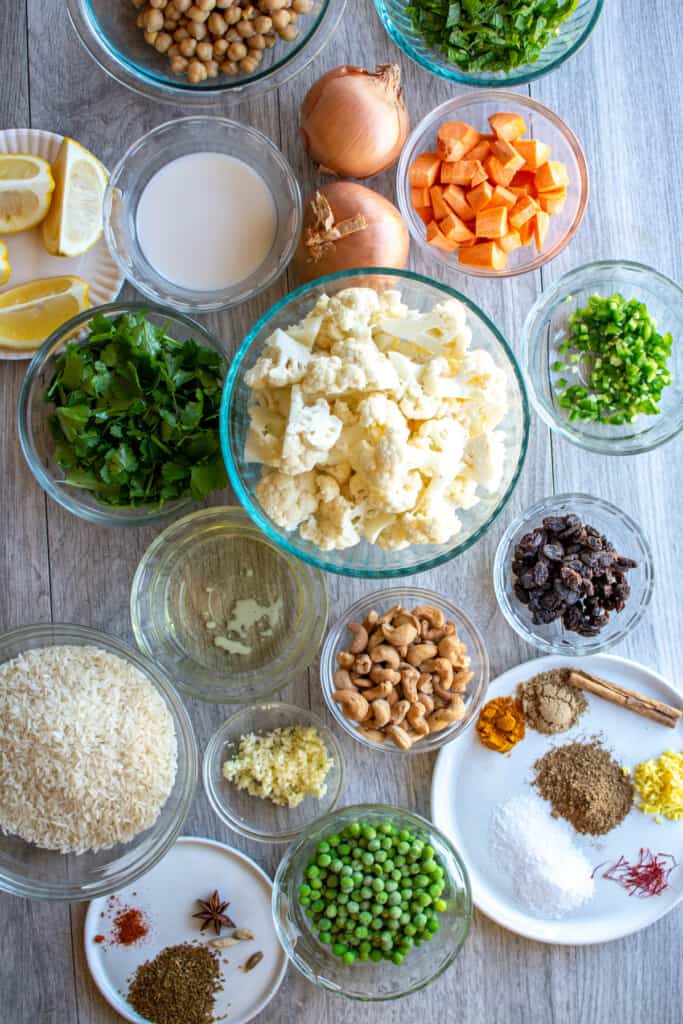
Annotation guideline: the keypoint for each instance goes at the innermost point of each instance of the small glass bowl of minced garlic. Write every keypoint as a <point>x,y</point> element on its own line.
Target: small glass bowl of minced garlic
<point>271,769</point>
<point>230,616</point>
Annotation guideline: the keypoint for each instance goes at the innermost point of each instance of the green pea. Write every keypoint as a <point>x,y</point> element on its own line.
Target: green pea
<point>364,917</point>
<point>397,957</point>
<point>349,956</point>
<point>440,905</point>
<point>323,847</point>
<point>325,937</point>
<point>354,829</point>
<point>376,955</point>
<point>324,860</point>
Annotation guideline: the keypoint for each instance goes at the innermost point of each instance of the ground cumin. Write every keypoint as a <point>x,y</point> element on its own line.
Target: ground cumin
<point>584,785</point>
<point>178,986</point>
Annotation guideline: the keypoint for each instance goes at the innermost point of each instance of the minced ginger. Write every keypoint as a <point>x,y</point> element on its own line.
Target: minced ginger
<point>283,766</point>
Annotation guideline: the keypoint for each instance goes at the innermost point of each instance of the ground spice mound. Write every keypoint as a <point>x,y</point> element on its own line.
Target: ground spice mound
<point>550,704</point>
<point>178,986</point>
<point>585,785</point>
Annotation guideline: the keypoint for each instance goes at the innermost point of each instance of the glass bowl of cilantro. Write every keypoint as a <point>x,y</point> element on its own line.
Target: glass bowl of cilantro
<point>603,357</point>
<point>118,414</point>
<point>489,42</point>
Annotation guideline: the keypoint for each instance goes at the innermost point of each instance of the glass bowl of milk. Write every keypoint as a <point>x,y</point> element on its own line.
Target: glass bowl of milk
<point>202,213</point>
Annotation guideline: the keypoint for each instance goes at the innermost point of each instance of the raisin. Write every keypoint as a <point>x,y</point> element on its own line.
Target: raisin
<point>555,524</point>
<point>553,552</point>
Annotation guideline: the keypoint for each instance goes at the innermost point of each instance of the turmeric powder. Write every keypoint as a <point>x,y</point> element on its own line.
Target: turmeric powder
<point>501,724</point>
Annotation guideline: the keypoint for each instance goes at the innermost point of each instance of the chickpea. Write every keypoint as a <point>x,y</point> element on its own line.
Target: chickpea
<point>293,17</point>
<point>237,52</point>
<point>158,4</point>
<point>233,36</point>
<point>249,12</point>
<point>187,47</point>
<point>197,30</point>
<point>302,6</point>
<point>178,64</point>
<point>180,34</point>
<point>280,20</point>
<point>205,5</point>
<point>150,37</point>
<point>270,40</point>
<point>228,67</point>
<point>262,24</point>
<point>245,29</point>
<point>204,52</point>
<point>173,51</point>
<point>211,68</point>
<point>196,72</point>
<point>217,24</point>
<point>171,11</point>
<point>232,14</point>
<point>222,5</point>
<point>289,33</point>
<point>153,20</point>
<point>163,42</point>
<point>197,14</point>
<point>140,20</point>
<point>182,5</point>
<point>250,63</point>
<point>257,42</point>
<point>273,5</point>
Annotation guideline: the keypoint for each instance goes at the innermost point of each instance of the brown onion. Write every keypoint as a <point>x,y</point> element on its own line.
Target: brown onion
<point>348,226</point>
<point>353,122</point>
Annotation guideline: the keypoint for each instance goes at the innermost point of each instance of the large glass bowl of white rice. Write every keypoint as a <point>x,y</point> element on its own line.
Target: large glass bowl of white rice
<point>98,763</point>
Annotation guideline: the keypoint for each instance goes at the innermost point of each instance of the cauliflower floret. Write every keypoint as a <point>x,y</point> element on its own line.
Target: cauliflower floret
<point>438,447</point>
<point>328,487</point>
<point>341,471</point>
<point>284,362</point>
<point>462,493</point>
<point>264,437</point>
<point>420,528</point>
<point>287,500</point>
<point>348,314</point>
<point>311,432</point>
<point>335,526</point>
<point>416,405</point>
<point>377,412</point>
<point>485,459</point>
<point>328,375</point>
<point>343,411</point>
<point>380,374</point>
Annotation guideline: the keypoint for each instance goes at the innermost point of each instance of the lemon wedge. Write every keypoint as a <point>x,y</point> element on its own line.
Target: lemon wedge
<point>26,187</point>
<point>4,264</point>
<point>31,311</point>
<point>74,222</point>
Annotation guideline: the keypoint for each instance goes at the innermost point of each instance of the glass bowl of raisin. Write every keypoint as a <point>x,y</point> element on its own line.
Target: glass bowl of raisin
<point>573,575</point>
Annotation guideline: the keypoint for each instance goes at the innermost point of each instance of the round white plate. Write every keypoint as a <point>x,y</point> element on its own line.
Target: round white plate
<point>27,255</point>
<point>167,896</point>
<point>469,781</point>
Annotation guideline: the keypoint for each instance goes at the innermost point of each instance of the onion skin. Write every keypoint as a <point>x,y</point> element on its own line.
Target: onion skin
<point>381,241</point>
<point>354,122</point>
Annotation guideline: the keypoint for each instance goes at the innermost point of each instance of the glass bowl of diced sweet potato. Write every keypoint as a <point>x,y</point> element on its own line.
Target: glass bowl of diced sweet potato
<point>492,184</point>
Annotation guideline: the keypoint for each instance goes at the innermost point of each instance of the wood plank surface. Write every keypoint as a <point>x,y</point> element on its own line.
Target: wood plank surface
<point>623,96</point>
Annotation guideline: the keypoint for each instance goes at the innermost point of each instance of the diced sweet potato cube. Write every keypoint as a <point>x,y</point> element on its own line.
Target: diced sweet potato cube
<point>425,213</point>
<point>492,222</point>
<point>454,195</point>
<point>419,197</point>
<point>503,197</point>
<point>535,153</point>
<point>480,196</point>
<point>436,200</point>
<point>455,229</point>
<point>551,175</point>
<point>510,242</point>
<point>507,126</point>
<point>480,175</point>
<point>483,254</point>
<point>508,156</point>
<point>459,172</point>
<point>523,210</point>
<point>496,172</point>
<point>436,238</point>
<point>552,202</point>
<point>425,170</point>
<point>480,151</point>
<point>541,225</point>
<point>526,232</point>
<point>454,139</point>
<point>525,180</point>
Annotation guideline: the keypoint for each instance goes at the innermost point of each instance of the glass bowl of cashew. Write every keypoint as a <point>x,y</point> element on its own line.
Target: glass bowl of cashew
<point>404,670</point>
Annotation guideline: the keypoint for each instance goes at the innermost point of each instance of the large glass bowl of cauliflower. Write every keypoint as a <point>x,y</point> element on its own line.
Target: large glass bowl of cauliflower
<point>374,423</point>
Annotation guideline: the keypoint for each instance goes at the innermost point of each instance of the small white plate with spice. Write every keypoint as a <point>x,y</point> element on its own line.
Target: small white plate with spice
<point>135,926</point>
<point>472,787</point>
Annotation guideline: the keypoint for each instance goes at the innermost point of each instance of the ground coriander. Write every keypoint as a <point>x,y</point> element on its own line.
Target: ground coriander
<point>178,986</point>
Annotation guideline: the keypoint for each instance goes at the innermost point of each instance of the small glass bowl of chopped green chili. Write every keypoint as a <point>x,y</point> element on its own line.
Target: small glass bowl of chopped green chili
<point>347,927</point>
<point>603,354</point>
<point>118,414</point>
<point>492,43</point>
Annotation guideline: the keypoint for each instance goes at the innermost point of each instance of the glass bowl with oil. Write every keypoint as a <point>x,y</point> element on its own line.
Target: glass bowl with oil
<point>231,617</point>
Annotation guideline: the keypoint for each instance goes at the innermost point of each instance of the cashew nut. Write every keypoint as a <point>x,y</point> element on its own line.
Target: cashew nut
<point>404,616</point>
<point>442,668</point>
<point>387,654</point>
<point>453,649</point>
<point>427,703</point>
<point>437,634</point>
<point>425,685</point>
<point>379,692</point>
<point>360,681</point>
<point>447,696</point>
<point>393,696</point>
<point>409,680</point>
<point>444,717</point>
<point>342,680</point>
<point>345,659</point>
<point>382,712</point>
<point>434,616</point>
<point>421,652</point>
<point>384,675</point>
<point>362,664</point>
<point>376,640</point>
<point>372,734</point>
<point>461,678</point>
<point>399,736</point>
<point>354,705</point>
<point>370,620</point>
<point>401,635</point>
<point>360,637</point>
<point>399,711</point>
<point>416,719</point>
<point>388,617</point>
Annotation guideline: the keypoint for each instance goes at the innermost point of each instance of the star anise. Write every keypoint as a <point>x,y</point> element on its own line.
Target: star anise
<point>212,913</point>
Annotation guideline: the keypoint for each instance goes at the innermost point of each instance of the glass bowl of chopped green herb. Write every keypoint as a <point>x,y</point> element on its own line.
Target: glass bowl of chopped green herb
<point>118,414</point>
<point>601,348</point>
<point>372,903</point>
<point>484,42</point>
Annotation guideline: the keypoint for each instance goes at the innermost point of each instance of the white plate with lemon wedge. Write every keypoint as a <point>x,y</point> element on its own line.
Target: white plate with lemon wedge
<point>53,287</point>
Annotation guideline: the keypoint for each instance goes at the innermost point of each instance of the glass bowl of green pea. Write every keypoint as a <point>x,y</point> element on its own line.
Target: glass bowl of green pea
<point>372,902</point>
<point>602,352</point>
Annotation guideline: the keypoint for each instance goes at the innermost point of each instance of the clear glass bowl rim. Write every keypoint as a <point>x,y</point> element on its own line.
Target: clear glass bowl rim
<point>219,738</point>
<point>62,632</point>
<point>444,112</point>
<point>543,507</point>
<point>331,819</point>
<point>241,292</point>
<point>386,599</point>
<point>546,303</point>
<point>485,79</point>
<point>253,509</point>
<point>100,517</point>
<point>232,90</point>
<point>215,512</point>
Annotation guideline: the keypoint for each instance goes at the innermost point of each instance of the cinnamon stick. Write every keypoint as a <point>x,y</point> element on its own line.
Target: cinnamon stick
<point>648,707</point>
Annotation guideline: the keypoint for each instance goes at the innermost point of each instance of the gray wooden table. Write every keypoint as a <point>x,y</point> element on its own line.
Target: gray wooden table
<point>623,96</point>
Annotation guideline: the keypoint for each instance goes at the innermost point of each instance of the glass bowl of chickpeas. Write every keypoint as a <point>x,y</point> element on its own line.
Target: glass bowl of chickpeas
<point>193,52</point>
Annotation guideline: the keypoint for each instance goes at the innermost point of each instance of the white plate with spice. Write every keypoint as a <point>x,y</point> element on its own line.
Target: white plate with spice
<point>29,260</point>
<point>470,782</point>
<point>162,904</point>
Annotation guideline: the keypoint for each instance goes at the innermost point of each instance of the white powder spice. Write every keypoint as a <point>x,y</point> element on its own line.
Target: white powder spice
<point>549,874</point>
